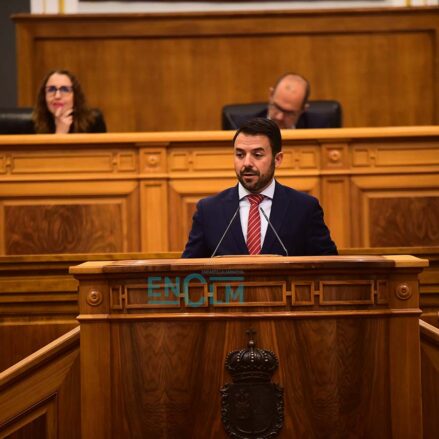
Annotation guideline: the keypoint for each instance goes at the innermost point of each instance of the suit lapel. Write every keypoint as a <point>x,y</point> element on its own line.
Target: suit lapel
<point>230,205</point>
<point>278,214</point>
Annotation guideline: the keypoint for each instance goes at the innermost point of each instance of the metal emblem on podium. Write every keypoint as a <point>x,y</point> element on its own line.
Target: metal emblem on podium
<point>252,407</point>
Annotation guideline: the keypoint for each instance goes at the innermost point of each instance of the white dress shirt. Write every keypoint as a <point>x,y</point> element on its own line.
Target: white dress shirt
<point>244,208</point>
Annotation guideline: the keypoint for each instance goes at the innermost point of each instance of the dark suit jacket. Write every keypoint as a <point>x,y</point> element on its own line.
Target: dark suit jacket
<point>317,121</point>
<point>296,216</point>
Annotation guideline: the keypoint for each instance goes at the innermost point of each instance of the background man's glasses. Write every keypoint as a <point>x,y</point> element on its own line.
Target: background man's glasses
<point>279,109</point>
<point>63,90</point>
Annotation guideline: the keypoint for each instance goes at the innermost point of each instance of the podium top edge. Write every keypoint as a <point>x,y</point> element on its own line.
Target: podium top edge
<point>253,263</point>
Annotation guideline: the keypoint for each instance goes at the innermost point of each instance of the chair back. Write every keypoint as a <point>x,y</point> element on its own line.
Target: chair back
<point>16,121</point>
<point>320,114</point>
<point>19,121</point>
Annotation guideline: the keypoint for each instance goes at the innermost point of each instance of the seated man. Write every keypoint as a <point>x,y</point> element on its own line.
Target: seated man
<point>287,105</point>
<point>258,215</point>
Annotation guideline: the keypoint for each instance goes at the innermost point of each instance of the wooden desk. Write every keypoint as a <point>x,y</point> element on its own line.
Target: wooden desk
<point>115,193</point>
<point>345,331</point>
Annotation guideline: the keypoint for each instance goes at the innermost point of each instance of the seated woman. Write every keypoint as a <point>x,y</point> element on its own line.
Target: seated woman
<point>61,107</point>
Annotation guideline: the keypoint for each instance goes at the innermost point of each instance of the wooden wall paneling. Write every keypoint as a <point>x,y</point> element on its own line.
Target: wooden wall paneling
<point>154,216</point>
<point>404,219</point>
<point>196,171</point>
<point>300,158</point>
<point>96,349</point>
<point>26,83</point>
<point>335,199</point>
<point>378,186</point>
<point>70,198</point>
<point>300,168</point>
<point>202,157</point>
<point>184,195</point>
<point>20,338</point>
<point>402,293</point>
<point>394,193</point>
<point>430,375</point>
<point>39,300</point>
<point>396,217</point>
<point>154,212</point>
<point>38,303</point>
<point>68,217</point>
<point>39,396</point>
<point>171,61</point>
<point>336,207</point>
<point>430,289</point>
<point>40,421</point>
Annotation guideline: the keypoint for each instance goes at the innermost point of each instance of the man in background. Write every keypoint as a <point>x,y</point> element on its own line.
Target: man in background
<point>287,106</point>
<point>288,100</point>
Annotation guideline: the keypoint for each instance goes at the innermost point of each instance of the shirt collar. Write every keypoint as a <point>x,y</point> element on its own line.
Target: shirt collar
<point>268,192</point>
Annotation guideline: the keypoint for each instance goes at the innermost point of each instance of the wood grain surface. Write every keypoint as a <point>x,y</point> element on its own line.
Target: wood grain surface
<point>156,72</point>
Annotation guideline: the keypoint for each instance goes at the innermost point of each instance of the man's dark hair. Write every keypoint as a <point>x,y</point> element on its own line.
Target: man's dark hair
<point>265,127</point>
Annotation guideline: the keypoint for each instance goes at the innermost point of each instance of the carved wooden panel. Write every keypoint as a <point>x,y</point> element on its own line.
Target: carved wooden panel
<point>430,375</point>
<point>40,397</point>
<point>328,358</point>
<point>39,422</point>
<point>394,209</point>
<point>63,228</point>
<point>183,197</point>
<point>46,161</point>
<point>395,154</point>
<point>154,214</point>
<point>336,203</point>
<point>35,426</point>
<point>404,221</point>
<point>156,179</point>
<point>223,289</point>
<point>20,338</point>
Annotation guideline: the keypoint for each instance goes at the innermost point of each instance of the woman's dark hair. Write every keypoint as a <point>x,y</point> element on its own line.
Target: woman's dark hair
<point>43,118</point>
<point>265,127</point>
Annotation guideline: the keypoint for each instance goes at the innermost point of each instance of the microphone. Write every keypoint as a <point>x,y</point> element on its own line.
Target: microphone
<point>274,230</point>
<point>224,234</point>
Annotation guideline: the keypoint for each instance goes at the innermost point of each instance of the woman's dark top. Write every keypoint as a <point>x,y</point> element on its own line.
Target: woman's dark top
<point>98,125</point>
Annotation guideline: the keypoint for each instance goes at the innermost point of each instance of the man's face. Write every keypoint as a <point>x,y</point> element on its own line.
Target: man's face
<point>254,161</point>
<point>285,104</point>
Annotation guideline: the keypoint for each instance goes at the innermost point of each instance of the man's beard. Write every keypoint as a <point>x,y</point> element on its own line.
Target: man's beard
<point>261,183</point>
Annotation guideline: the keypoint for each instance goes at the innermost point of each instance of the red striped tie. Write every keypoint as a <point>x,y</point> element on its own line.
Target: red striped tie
<point>254,224</point>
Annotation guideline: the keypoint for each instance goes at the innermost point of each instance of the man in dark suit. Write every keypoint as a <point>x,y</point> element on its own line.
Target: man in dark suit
<point>236,220</point>
<point>287,106</point>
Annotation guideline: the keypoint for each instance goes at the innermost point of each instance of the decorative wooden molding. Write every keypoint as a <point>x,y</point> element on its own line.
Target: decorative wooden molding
<point>43,386</point>
<point>88,193</point>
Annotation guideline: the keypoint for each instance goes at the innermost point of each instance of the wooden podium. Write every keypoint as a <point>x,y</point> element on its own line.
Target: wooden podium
<point>155,335</point>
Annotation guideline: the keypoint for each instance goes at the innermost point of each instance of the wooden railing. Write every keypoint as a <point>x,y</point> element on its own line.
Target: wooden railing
<point>40,395</point>
<point>429,328</point>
